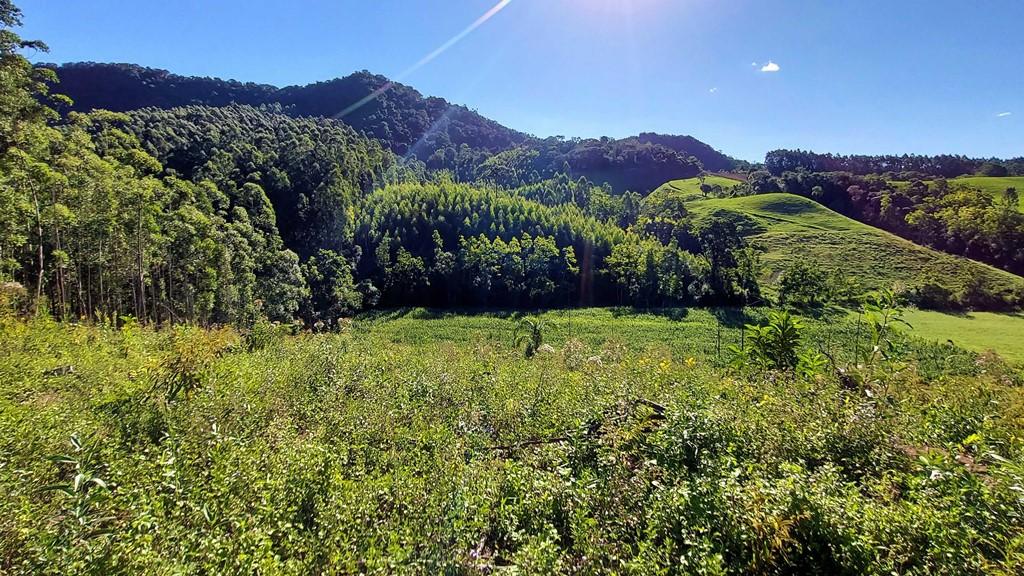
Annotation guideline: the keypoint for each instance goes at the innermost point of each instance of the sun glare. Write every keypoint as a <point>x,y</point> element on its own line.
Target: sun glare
<point>618,7</point>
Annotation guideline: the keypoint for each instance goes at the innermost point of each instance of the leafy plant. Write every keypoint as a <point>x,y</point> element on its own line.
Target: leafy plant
<point>83,491</point>
<point>463,459</point>
<point>192,352</point>
<point>773,345</point>
<point>262,334</point>
<point>531,332</point>
<point>776,346</point>
<point>804,286</point>
<point>881,313</point>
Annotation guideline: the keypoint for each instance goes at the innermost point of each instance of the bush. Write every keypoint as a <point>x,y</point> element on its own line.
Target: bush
<point>192,352</point>
<point>264,333</point>
<point>803,286</point>
<point>933,296</point>
<point>776,346</point>
<point>992,169</point>
<point>14,298</point>
<point>979,295</point>
<point>400,447</point>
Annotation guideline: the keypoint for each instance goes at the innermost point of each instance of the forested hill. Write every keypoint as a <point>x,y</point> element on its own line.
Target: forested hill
<point>399,116</point>
<point>900,167</point>
<point>711,159</point>
<point>442,135</point>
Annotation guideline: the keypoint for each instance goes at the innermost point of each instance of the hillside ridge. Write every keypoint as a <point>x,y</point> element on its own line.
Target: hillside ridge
<point>429,128</point>
<point>791,228</point>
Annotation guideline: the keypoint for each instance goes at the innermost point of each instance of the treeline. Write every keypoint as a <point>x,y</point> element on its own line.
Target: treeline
<point>448,244</point>
<point>231,214</point>
<point>711,159</point>
<point>943,214</point>
<point>597,201</point>
<point>442,135</point>
<point>625,165</point>
<point>314,171</point>
<point>92,225</point>
<point>489,235</point>
<point>898,167</point>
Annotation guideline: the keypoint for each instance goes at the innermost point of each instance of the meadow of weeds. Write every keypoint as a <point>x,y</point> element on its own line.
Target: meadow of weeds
<point>415,442</point>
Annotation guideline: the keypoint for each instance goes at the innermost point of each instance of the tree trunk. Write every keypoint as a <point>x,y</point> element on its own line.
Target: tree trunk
<point>140,303</point>
<point>88,292</point>
<point>39,238</point>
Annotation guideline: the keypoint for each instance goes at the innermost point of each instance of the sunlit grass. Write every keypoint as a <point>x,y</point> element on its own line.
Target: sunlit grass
<point>689,188</point>
<point>793,229</point>
<point>978,331</point>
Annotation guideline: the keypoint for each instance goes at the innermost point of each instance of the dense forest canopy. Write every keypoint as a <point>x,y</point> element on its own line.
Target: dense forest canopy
<point>314,171</point>
<point>711,159</point>
<point>400,116</point>
<point>908,165</point>
<point>443,135</point>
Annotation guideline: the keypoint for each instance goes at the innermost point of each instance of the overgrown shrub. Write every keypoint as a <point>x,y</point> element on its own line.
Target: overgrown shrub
<point>931,295</point>
<point>14,299</point>
<point>423,445</point>
<point>192,351</point>
<point>803,286</point>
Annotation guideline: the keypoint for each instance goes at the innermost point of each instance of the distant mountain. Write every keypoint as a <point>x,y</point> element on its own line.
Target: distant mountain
<point>441,134</point>
<point>711,159</point>
<point>399,116</point>
<point>124,87</point>
<point>409,122</point>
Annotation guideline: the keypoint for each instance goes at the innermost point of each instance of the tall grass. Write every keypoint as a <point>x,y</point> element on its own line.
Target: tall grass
<point>428,444</point>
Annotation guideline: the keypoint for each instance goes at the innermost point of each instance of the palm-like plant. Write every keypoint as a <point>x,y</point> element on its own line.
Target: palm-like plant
<point>531,332</point>
<point>775,344</point>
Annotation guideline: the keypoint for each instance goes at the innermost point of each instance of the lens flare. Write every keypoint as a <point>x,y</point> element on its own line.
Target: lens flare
<point>428,58</point>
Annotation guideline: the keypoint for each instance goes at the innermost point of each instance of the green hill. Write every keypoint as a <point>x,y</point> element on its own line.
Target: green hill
<point>995,185</point>
<point>791,228</point>
<point>689,188</point>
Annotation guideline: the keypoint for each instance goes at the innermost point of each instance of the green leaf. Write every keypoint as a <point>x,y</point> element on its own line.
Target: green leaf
<point>61,459</point>
<point>57,488</point>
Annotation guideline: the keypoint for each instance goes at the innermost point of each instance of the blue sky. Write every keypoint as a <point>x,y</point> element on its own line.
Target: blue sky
<point>854,76</point>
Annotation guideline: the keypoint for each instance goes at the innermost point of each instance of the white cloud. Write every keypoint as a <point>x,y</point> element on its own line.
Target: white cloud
<point>770,67</point>
<point>1004,114</point>
<point>713,90</point>
<point>754,64</point>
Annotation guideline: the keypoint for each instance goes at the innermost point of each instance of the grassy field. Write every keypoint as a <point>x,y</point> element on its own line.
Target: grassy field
<point>700,333</point>
<point>989,184</point>
<point>791,228</point>
<point>679,332</point>
<point>689,188</point>
<point>423,443</point>
<point>978,331</point>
